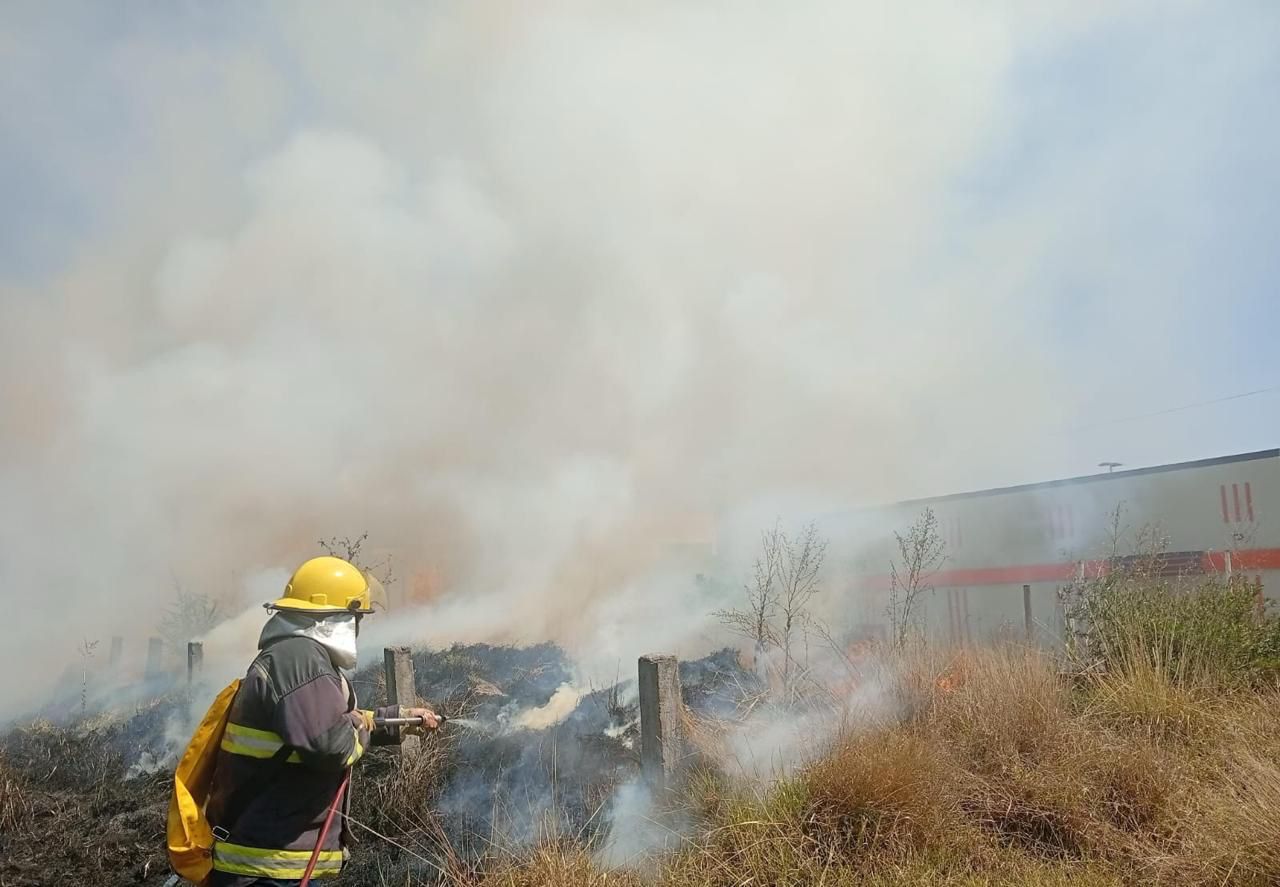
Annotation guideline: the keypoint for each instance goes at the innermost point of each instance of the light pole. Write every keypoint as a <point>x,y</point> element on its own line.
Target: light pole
<point>1110,466</point>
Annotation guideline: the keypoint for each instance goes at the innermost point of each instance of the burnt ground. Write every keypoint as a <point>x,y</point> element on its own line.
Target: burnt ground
<point>83,801</point>
<point>71,812</point>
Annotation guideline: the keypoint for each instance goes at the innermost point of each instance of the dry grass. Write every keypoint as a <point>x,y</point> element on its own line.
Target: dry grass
<point>1140,700</point>
<point>1233,836</point>
<point>14,806</point>
<point>998,772</point>
<point>558,863</point>
<point>983,768</point>
<point>988,768</point>
<point>884,795</point>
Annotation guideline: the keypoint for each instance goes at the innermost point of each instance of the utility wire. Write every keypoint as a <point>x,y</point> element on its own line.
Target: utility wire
<point>392,842</point>
<point>1177,409</point>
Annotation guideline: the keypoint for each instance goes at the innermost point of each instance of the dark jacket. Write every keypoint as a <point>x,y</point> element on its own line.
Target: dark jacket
<point>293,732</point>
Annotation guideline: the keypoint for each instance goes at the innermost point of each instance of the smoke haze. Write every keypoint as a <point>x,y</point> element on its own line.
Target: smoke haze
<point>533,293</point>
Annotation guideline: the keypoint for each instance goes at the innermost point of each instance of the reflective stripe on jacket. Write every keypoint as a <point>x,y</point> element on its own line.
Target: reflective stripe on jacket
<point>292,733</point>
<point>241,740</point>
<point>285,865</point>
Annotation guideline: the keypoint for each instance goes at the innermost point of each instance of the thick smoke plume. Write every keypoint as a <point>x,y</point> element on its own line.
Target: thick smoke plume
<point>543,296</point>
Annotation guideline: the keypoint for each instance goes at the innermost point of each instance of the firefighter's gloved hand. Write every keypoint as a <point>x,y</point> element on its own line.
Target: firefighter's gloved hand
<point>430,721</point>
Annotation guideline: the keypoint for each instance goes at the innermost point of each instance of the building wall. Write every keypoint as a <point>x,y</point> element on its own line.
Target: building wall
<point>1042,535</point>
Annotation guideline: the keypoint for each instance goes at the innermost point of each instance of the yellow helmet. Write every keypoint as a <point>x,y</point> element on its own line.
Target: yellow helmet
<point>325,585</point>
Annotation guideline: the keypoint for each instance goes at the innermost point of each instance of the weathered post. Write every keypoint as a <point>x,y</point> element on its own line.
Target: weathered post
<point>401,689</point>
<point>117,649</point>
<point>195,661</point>
<point>661,725</point>
<point>155,657</point>
<point>1026,613</point>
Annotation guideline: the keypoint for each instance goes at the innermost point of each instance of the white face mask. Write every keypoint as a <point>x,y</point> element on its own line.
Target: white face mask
<point>335,632</point>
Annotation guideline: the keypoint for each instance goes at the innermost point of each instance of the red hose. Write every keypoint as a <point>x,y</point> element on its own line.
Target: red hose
<point>324,831</point>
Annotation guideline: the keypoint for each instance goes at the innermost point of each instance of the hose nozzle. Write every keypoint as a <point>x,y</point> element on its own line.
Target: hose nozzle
<point>404,722</point>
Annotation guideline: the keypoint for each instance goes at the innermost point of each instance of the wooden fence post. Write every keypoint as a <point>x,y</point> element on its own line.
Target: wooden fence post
<point>195,661</point>
<point>397,664</point>
<point>1028,624</point>
<point>661,720</point>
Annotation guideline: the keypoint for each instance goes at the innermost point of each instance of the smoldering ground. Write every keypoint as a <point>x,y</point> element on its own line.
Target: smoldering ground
<point>526,767</point>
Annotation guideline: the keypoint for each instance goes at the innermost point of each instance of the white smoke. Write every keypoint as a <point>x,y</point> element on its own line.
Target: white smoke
<point>561,704</point>
<point>639,829</point>
<point>534,293</point>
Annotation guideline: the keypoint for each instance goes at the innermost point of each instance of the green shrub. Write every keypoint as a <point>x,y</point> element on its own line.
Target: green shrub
<point>1214,631</point>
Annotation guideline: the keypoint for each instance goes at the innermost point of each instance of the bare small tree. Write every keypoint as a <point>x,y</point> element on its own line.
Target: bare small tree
<point>189,615</point>
<point>920,553</point>
<point>349,549</point>
<point>785,578</point>
<point>755,621</point>
<point>86,651</point>
<point>1115,529</point>
<point>345,547</point>
<point>798,583</point>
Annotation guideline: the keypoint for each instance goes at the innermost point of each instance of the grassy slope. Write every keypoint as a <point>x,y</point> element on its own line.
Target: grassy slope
<point>1157,764</point>
<point>1000,773</point>
<point>1161,768</point>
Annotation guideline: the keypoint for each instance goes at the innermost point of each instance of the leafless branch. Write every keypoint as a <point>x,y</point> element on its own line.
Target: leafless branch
<point>785,579</point>
<point>920,553</point>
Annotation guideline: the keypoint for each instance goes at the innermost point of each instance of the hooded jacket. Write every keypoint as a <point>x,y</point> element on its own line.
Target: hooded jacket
<point>293,731</point>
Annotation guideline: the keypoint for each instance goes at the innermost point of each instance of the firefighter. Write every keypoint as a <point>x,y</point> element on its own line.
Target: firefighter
<point>293,732</point>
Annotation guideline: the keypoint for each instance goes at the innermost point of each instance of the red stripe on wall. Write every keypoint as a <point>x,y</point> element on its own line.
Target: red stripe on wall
<point>1248,500</point>
<point>1222,491</point>
<point>995,575</point>
<point>1211,562</point>
<point>1235,494</point>
<point>1249,559</point>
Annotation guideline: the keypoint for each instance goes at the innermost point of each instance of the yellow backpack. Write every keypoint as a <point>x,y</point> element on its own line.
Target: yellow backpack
<point>190,838</point>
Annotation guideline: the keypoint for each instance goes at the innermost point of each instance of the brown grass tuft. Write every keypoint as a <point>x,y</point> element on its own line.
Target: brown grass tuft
<point>1009,709</point>
<point>14,806</point>
<point>1234,830</point>
<point>558,863</point>
<point>883,793</point>
<point>1139,697</point>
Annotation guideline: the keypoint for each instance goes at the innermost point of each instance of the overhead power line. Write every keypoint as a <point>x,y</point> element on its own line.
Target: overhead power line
<point>1179,409</point>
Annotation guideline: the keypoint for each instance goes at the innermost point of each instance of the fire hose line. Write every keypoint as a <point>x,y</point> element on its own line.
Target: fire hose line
<point>337,801</point>
<point>324,830</point>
